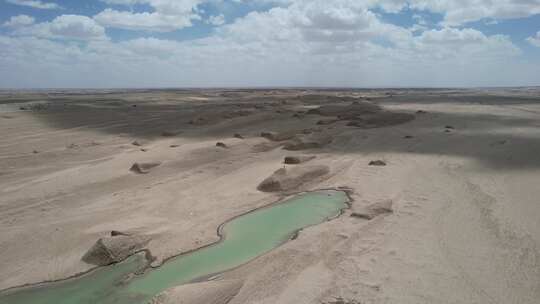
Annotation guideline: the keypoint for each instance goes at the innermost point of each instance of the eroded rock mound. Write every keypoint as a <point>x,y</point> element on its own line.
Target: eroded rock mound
<point>237,113</point>
<point>377,163</point>
<point>362,114</point>
<point>324,122</point>
<point>114,249</point>
<point>343,111</point>
<point>304,142</point>
<point>213,292</point>
<point>371,211</point>
<point>286,179</point>
<point>265,147</point>
<point>380,119</point>
<point>198,121</point>
<point>169,133</point>
<point>144,168</point>
<point>340,300</point>
<point>322,99</point>
<point>281,136</point>
<point>299,159</point>
<point>117,233</point>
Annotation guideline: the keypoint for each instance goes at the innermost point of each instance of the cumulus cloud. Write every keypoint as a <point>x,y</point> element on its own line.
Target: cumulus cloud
<point>75,27</point>
<point>455,12</point>
<point>144,21</point>
<point>19,21</point>
<point>315,26</point>
<point>170,15</point>
<point>465,45</point>
<point>167,15</point>
<point>35,4</point>
<point>535,40</point>
<point>458,12</point>
<point>300,42</point>
<point>216,20</point>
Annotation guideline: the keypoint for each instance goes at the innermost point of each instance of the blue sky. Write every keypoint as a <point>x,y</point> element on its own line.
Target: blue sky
<point>186,43</point>
<point>231,10</point>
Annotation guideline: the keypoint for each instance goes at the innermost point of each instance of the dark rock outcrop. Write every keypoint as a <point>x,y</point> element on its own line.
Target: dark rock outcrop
<point>354,109</point>
<point>286,179</point>
<point>144,168</point>
<point>324,122</point>
<point>265,146</point>
<point>169,133</point>
<point>295,160</point>
<point>378,163</point>
<point>361,114</point>
<point>117,233</point>
<point>381,119</point>
<point>275,136</point>
<point>304,142</point>
<point>371,211</point>
<point>114,249</point>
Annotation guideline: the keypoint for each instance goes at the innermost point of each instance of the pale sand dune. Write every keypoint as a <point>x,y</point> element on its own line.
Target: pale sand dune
<point>465,224</point>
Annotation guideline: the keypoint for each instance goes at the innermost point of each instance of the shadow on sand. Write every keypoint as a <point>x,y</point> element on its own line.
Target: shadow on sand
<point>488,138</point>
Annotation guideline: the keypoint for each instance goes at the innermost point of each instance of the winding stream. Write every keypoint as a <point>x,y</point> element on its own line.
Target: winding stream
<point>243,239</point>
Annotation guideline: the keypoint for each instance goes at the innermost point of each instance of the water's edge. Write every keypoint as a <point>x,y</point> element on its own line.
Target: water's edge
<point>348,192</point>
<point>219,231</point>
<point>222,236</point>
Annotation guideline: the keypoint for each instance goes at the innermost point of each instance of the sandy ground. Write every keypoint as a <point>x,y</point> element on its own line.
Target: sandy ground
<point>466,220</point>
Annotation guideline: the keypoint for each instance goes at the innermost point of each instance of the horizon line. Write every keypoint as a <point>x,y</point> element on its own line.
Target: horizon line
<point>265,88</point>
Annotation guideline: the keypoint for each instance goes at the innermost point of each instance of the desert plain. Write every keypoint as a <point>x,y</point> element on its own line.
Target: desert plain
<point>444,187</point>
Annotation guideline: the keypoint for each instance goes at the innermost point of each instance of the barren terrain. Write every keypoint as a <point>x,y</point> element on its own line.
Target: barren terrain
<point>456,172</point>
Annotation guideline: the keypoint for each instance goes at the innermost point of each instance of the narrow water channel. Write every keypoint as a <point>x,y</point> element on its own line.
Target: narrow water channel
<point>244,238</point>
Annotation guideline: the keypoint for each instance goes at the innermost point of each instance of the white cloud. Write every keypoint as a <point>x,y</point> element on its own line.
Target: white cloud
<point>144,21</point>
<point>457,12</point>
<point>124,2</point>
<point>168,15</point>
<point>216,20</point>
<point>19,21</point>
<point>316,26</point>
<point>35,4</point>
<point>466,45</point>
<point>301,42</point>
<point>75,27</point>
<point>465,59</point>
<point>535,40</point>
